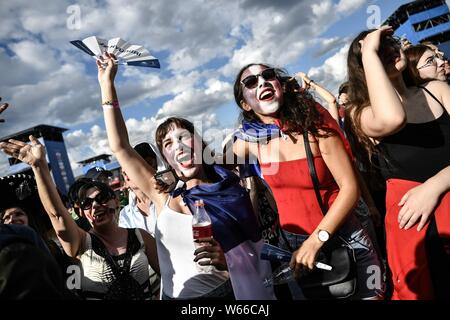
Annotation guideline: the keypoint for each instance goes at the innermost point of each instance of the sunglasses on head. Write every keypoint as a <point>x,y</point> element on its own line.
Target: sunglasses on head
<point>251,81</point>
<point>102,198</point>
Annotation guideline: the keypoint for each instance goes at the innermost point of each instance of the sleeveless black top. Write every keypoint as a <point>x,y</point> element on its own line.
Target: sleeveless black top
<point>418,151</point>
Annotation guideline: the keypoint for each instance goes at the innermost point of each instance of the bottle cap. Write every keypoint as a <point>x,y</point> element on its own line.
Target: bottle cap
<point>199,203</point>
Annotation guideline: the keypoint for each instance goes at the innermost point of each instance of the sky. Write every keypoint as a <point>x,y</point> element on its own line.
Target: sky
<point>201,45</point>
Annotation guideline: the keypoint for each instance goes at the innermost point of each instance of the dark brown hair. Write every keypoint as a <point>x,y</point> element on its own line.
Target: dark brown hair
<point>299,110</point>
<point>358,95</point>
<point>18,206</point>
<point>170,124</point>
<point>343,88</point>
<point>33,218</point>
<point>175,122</point>
<point>100,186</point>
<point>411,74</point>
<point>362,146</point>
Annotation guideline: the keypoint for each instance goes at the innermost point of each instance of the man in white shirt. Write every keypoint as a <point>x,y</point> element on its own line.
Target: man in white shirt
<point>140,211</point>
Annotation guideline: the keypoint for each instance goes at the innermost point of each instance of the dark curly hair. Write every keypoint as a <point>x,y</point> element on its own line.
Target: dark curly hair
<point>298,112</point>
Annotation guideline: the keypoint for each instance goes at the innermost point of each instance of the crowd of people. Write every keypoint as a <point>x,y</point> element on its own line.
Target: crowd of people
<point>369,171</point>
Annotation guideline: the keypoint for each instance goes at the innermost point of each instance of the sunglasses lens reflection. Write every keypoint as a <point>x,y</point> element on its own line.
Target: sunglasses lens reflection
<point>251,82</point>
<point>103,197</point>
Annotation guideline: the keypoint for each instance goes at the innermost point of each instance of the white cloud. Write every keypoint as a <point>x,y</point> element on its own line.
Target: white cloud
<point>329,45</point>
<point>201,45</point>
<point>197,101</point>
<point>333,72</point>
<point>322,8</point>
<point>348,6</point>
<point>35,55</point>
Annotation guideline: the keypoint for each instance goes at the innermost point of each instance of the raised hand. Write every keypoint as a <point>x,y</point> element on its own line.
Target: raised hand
<point>3,107</point>
<point>306,81</point>
<point>372,41</point>
<point>32,154</point>
<point>107,68</point>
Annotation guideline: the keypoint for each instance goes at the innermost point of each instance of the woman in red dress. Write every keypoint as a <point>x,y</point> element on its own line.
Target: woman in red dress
<point>271,100</point>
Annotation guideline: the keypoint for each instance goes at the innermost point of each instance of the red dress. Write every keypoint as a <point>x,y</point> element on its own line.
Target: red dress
<point>407,159</point>
<point>293,189</point>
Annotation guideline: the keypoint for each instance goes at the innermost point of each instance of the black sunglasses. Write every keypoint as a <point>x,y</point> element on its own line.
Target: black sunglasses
<point>251,81</point>
<point>102,197</point>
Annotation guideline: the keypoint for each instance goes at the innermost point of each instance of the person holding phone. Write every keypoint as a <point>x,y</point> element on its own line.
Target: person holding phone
<point>270,101</point>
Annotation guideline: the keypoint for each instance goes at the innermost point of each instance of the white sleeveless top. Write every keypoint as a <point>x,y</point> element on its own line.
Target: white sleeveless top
<point>179,273</point>
<point>97,273</point>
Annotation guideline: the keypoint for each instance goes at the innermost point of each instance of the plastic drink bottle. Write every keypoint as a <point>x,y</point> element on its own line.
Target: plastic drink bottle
<point>201,228</point>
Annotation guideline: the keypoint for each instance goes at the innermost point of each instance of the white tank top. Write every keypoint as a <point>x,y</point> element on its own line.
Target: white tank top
<point>180,276</point>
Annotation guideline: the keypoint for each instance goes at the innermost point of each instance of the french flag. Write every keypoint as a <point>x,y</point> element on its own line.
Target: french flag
<point>235,227</point>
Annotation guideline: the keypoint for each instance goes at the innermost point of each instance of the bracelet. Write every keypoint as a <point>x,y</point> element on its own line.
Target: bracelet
<point>111,104</point>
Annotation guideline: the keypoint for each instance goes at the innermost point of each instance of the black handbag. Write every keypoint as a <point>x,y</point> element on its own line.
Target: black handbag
<point>340,282</point>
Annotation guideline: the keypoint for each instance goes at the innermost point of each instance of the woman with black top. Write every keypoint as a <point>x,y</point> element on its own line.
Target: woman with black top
<point>409,129</point>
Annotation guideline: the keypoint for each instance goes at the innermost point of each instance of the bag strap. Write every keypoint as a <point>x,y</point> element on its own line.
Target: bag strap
<point>315,180</point>
<point>312,172</point>
<point>101,248</point>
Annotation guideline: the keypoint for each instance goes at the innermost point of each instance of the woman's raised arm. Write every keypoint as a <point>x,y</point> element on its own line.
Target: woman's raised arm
<point>70,235</point>
<point>386,114</point>
<point>136,168</point>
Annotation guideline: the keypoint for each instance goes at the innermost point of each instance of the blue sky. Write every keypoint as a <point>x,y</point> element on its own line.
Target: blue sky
<point>201,45</point>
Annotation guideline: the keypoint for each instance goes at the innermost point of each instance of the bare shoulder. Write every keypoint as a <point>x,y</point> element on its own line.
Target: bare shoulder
<point>436,84</point>
<point>438,88</point>
<point>441,90</point>
<point>328,142</point>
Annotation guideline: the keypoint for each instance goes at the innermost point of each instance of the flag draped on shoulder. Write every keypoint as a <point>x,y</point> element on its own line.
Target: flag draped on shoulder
<point>235,227</point>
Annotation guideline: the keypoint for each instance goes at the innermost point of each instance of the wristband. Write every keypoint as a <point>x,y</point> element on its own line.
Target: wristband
<point>111,104</point>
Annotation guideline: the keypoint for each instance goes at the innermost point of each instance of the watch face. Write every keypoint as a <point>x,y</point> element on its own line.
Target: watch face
<point>323,235</point>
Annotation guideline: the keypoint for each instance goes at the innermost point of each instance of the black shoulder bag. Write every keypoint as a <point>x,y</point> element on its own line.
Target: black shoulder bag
<point>340,282</point>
